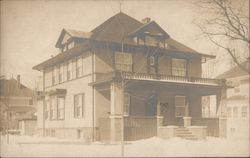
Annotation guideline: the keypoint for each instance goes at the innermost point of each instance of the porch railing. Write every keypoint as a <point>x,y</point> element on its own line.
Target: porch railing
<point>136,127</point>
<point>211,123</point>
<point>159,77</point>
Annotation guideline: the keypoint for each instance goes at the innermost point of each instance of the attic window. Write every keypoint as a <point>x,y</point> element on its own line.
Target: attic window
<point>71,45</point>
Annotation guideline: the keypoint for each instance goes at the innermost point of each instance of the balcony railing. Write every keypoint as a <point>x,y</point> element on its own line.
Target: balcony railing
<point>160,77</point>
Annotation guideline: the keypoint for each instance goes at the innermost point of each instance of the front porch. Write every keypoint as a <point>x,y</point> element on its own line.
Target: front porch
<point>145,108</point>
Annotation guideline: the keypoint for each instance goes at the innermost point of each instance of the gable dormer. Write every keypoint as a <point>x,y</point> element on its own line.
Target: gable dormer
<point>150,34</point>
<point>70,38</point>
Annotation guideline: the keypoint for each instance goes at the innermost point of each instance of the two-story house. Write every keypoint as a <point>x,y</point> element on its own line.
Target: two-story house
<point>16,103</point>
<point>237,101</point>
<point>124,79</point>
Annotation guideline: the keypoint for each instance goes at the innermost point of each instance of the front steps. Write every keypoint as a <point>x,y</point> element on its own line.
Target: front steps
<point>184,133</point>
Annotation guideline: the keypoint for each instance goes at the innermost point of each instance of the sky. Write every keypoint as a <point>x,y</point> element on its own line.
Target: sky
<point>30,29</point>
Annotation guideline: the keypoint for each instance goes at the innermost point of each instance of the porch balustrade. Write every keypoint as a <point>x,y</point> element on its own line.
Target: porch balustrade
<point>160,77</point>
<point>211,123</point>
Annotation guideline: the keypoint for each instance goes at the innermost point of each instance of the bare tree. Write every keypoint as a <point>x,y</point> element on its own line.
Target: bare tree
<point>226,24</point>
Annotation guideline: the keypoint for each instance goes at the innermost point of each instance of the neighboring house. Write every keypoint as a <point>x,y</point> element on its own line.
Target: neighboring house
<point>237,101</point>
<point>125,74</point>
<point>17,103</point>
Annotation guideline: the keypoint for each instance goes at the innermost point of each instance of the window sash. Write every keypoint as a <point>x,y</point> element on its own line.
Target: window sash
<point>126,104</point>
<point>179,67</point>
<point>180,106</point>
<point>79,105</point>
<point>123,61</point>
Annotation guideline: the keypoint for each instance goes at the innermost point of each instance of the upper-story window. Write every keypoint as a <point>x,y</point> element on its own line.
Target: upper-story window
<point>179,67</point>
<point>70,70</point>
<point>229,112</point>
<point>244,111</point>
<point>55,77</point>
<point>123,61</point>
<point>235,112</point>
<point>152,60</point>
<point>48,77</point>
<point>71,44</point>
<point>61,75</point>
<point>151,41</point>
<point>79,66</point>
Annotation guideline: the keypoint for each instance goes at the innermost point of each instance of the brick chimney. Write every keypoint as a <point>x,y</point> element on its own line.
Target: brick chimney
<point>18,80</point>
<point>146,20</point>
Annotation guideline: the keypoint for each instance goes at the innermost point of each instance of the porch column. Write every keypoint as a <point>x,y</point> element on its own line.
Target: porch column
<point>222,111</point>
<point>221,102</point>
<point>116,103</point>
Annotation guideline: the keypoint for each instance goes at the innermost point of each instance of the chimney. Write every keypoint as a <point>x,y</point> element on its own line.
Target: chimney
<point>18,80</point>
<point>146,20</point>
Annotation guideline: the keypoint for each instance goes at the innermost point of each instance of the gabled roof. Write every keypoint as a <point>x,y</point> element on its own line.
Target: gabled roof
<point>73,34</point>
<point>116,28</point>
<point>235,71</point>
<point>152,27</point>
<point>13,88</point>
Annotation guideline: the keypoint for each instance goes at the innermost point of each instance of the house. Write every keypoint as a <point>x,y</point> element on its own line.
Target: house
<point>17,103</point>
<point>237,101</point>
<point>126,79</point>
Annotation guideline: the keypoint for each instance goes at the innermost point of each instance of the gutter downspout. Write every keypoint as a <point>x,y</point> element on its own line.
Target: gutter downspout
<point>93,98</point>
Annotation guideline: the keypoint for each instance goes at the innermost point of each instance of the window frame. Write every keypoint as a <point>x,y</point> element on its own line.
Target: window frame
<point>76,107</point>
<point>62,108</point>
<point>184,106</point>
<point>120,65</point>
<point>175,70</point>
<point>126,105</point>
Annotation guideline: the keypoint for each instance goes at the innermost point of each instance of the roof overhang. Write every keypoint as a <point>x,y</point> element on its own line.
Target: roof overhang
<point>63,56</point>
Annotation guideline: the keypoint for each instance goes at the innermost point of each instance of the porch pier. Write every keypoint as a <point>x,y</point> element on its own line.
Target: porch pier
<point>116,113</point>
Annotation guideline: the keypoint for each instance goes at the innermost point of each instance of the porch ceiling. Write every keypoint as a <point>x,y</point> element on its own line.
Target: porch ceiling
<point>156,85</point>
<point>198,89</point>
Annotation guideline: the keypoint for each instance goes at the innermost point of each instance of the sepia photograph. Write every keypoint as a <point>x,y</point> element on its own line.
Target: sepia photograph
<point>124,78</point>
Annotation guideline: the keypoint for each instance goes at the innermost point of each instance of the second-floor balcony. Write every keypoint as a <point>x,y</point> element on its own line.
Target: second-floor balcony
<point>100,77</point>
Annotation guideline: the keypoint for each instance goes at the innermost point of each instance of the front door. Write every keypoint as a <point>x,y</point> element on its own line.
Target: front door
<point>151,106</point>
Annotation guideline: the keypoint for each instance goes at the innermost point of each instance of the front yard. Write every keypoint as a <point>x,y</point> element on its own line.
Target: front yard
<point>27,146</point>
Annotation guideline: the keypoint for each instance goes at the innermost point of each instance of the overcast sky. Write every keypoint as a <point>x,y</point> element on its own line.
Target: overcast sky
<point>30,29</point>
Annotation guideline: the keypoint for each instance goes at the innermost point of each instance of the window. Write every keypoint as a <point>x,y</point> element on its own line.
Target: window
<point>180,102</point>
<point>61,76</point>
<point>126,104</point>
<point>55,76</point>
<point>229,112</point>
<point>48,78</point>
<point>30,101</point>
<point>152,60</point>
<point>235,112</point>
<point>47,107</point>
<point>178,67</point>
<point>123,61</point>
<point>79,105</point>
<point>60,107</point>
<point>53,108</point>
<point>244,111</point>
<point>79,67</point>
<point>71,45</point>
<point>151,41</point>
<point>70,70</point>
<point>236,86</point>
<point>65,72</point>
